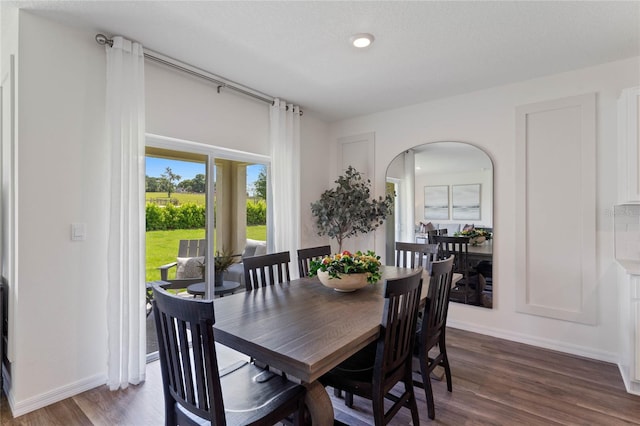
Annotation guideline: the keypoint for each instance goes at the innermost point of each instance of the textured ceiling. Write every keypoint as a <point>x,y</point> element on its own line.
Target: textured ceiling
<point>426,50</point>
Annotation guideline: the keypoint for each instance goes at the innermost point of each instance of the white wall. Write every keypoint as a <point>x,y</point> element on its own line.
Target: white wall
<point>314,175</point>
<point>185,107</point>
<point>487,119</point>
<point>58,291</point>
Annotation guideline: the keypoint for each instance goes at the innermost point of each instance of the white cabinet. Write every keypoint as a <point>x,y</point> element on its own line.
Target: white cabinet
<point>627,236</point>
<point>627,252</point>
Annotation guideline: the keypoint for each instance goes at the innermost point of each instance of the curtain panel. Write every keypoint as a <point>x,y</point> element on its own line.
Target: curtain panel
<point>125,111</point>
<point>284,205</point>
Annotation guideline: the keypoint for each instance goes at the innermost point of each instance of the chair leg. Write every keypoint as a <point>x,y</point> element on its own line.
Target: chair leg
<point>378,409</point>
<point>428,391</point>
<point>445,362</point>
<point>348,399</point>
<point>413,404</point>
<point>337,393</point>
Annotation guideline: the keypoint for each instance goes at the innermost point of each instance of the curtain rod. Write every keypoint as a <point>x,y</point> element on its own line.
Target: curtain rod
<point>189,69</point>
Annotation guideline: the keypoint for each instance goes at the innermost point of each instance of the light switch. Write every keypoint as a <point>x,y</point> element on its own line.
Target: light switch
<point>78,231</point>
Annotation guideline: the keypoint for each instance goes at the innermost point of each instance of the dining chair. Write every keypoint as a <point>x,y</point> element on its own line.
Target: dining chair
<point>261,271</point>
<point>413,255</point>
<point>432,331</point>
<point>464,291</point>
<point>432,233</point>
<point>376,369</point>
<point>195,392</point>
<point>306,255</point>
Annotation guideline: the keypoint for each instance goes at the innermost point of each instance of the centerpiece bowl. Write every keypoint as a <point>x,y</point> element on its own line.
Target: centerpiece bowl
<point>345,271</point>
<point>344,282</point>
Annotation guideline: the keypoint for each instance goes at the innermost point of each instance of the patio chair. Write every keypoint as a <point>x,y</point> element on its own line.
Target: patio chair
<point>188,264</point>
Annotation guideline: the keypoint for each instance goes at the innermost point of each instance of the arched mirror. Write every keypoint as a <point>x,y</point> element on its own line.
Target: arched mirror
<point>444,195</point>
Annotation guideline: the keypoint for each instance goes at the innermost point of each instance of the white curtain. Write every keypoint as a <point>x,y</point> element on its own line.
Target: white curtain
<point>284,204</point>
<point>125,131</point>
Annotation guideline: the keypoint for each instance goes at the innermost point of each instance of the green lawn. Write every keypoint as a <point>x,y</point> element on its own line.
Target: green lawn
<point>162,246</point>
<point>181,197</point>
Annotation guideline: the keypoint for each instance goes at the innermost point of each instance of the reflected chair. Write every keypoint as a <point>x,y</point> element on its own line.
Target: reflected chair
<point>435,232</point>
<point>305,256</point>
<point>261,271</point>
<point>431,333</point>
<point>464,291</point>
<point>414,255</point>
<point>376,369</point>
<point>195,392</point>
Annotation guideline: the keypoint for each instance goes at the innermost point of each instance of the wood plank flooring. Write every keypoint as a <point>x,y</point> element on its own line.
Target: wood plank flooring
<point>495,382</point>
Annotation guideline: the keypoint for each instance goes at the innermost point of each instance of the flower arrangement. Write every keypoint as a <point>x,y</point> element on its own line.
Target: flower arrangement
<point>348,263</point>
<point>477,236</point>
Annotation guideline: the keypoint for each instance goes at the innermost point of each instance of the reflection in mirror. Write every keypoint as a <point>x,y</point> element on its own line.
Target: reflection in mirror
<point>444,195</point>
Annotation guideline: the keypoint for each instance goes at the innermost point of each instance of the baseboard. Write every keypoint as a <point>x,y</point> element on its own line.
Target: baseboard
<point>23,407</point>
<point>582,351</point>
<point>632,387</point>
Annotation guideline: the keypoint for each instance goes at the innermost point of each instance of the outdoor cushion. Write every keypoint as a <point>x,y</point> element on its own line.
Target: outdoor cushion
<point>189,267</point>
<point>253,245</point>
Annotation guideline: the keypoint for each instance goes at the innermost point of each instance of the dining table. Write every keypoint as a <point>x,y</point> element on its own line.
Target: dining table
<point>305,329</point>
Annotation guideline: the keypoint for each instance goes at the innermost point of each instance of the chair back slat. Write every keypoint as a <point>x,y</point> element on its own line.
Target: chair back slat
<point>261,271</point>
<point>414,255</point>
<point>435,232</point>
<point>188,356</point>
<point>192,248</point>
<point>458,247</point>
<point>395,345</point>
<point>305,256</point>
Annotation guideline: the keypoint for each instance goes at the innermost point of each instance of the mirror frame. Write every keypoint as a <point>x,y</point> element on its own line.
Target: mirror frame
<point>486,299</point>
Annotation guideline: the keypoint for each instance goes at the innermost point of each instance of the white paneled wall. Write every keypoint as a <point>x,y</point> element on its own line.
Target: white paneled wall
<point>556,192</point>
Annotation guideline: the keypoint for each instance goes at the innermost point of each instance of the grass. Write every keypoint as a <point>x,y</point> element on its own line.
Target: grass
<point>180,196</point>
<point>162,246</point>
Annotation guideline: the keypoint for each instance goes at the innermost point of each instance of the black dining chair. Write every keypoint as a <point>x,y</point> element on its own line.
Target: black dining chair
<point>268,269</point>
<point>306,255</point>
<point>195,392</point>
<point>414,255</point>
<point>465,290</point>
<point>376,369</point>
<point>432,331</point>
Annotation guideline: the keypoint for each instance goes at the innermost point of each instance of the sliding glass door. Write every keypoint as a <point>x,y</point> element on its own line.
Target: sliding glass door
<point>200,195</point>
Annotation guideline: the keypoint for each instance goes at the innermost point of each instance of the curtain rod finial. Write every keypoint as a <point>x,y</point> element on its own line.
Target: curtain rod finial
<point>102,40</point>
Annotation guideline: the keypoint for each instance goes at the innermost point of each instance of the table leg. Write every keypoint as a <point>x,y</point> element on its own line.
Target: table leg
<point>319,404</point>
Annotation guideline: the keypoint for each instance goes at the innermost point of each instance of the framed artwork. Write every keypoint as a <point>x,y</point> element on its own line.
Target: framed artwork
<point>466,201</point>
<point>436,202</point>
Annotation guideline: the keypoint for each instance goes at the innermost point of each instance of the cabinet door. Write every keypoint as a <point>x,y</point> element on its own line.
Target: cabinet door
<point>629,145</point>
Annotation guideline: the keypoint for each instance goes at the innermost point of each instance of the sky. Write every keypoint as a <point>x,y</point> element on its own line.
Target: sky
<point>188,170</point>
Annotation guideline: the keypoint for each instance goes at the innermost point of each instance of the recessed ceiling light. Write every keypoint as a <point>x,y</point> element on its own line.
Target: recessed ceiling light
<point>361,40</point>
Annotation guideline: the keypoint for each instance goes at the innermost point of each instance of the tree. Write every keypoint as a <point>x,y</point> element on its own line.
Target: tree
<point>197,184</point>
<point>260,185</point>
<point>153,184</point>
<point>348,210</point>
<point>168,178</point>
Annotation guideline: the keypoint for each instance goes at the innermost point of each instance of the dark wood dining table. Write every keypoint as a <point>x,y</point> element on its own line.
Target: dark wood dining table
<point>304,329</point>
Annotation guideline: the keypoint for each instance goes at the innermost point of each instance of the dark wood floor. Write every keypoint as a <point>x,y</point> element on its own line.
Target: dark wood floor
<point>495,382</point>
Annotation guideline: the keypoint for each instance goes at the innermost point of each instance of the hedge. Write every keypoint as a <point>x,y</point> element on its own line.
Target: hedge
<point>192,216</point>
